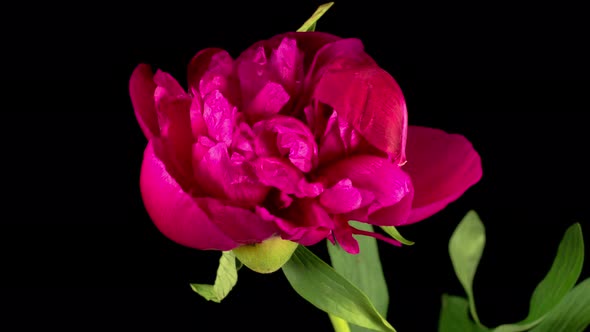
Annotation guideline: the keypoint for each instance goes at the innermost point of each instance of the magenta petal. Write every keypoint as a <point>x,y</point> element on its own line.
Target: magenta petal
<point>269,101</point>
<point>141,90</point>
<point>219,116</point>
<point>386,181</point>
<point>394,215</point>
<point>173,108</point>
<point>241,225</point>
<point>341,54</point>
<point>341,198</point>
<point>331,146</point>
<point>198,125</point>
<point>343,234</point>
<point>306,222</point>
<point>442,167</point>
<point>253,72</point>
<point>209,70</point>
<point>372,102</point>
<point>232,179</point>
<point>293,139</point>
<point>280,174</point>
<point>243,141</point>
<point>377,236</point>
<point>339,140</point>
<point>287,63</point>
<point>174,212</point>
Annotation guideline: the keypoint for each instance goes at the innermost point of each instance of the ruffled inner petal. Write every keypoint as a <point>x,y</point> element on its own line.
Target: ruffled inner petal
<point>290,137</point>
<point>243,141</point>
<point>280,174</point>
<point>253,72</point>
<point>268,101</point>
<point>219,117</point>
<point>287,63</point>
<point>233,179</point>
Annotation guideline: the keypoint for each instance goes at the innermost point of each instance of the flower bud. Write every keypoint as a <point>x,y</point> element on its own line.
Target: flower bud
<point>267,256</point>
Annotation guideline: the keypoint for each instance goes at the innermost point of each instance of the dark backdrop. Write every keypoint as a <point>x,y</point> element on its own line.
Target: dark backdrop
<point>78,252</point>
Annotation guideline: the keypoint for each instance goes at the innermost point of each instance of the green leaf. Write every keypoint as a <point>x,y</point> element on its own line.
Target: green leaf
<point>319,284</point>
<point>227,277</point>
<point>363,270</point>
<point>465,248</point>
<point>454,316</point>
<point>560,279</point>
<point>572,314</point>
<point>394,233</point>
<point>310,24</point>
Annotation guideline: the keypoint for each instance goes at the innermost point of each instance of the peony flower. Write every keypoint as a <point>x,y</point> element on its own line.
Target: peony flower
<point>295,137</point>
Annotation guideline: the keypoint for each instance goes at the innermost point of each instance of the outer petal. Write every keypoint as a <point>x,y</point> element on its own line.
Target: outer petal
<point>342,54</point>
<point>141,90</point>
<point>308,42</point>
<point>442,167</point>
<point>173,109</point>
<point>242,225</point>
<point>337,55</point>
<point>174,212</point>
<point>372,102</point>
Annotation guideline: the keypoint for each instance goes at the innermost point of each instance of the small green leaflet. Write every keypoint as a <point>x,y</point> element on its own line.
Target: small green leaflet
<point>226,279</point>
<point>394,233</point>
<point>363,270</point>
<point>319,284</point>
<point>560,279</point>
<point>310,24</point>
<point>465,248</point>
<point>454,316</point>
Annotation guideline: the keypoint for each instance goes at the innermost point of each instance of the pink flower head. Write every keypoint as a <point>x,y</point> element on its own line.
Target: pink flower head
<point>298,135</point>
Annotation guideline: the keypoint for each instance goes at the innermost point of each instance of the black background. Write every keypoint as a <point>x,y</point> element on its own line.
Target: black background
<point>78,252</point>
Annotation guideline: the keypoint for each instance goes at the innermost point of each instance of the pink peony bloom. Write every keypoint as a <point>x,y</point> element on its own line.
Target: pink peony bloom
<point>298,135</point>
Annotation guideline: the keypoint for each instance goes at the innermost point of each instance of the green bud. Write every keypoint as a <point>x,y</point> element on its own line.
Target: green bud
<point>267,256</point>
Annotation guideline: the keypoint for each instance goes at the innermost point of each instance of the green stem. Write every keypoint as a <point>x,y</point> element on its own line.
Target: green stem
<point>340,325</point>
